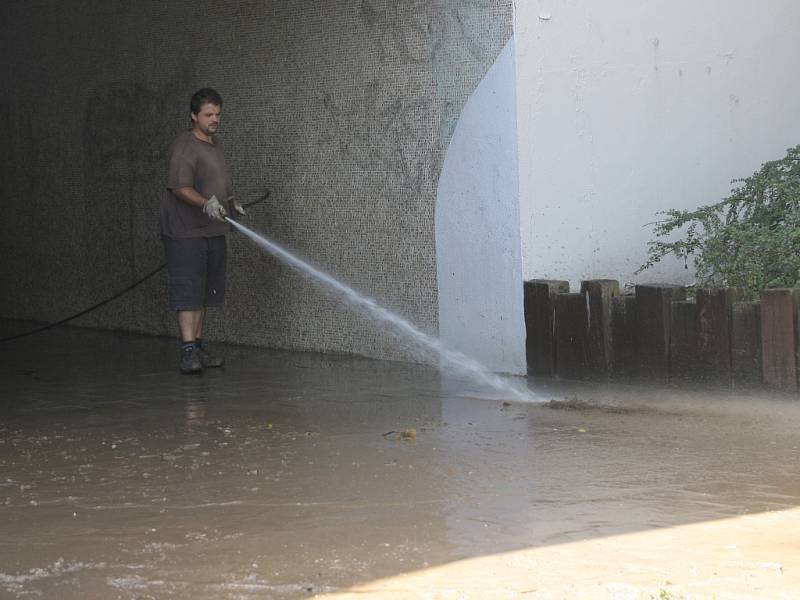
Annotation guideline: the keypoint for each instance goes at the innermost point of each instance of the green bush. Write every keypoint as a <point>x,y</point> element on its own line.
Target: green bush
<point>751,239</point>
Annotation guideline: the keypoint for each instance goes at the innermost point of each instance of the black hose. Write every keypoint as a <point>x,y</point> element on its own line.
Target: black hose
<point>114,297</point>
<point>83,312</point>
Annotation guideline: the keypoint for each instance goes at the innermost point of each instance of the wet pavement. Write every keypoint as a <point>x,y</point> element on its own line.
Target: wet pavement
<point>296,475</point>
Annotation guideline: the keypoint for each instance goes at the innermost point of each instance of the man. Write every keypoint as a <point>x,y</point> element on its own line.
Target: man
<point>193,227</point>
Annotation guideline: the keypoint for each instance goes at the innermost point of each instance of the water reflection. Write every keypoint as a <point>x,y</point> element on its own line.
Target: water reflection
<point>195,412</point>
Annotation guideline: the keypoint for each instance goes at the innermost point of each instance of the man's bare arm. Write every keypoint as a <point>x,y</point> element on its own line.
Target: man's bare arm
<point>191,196</point>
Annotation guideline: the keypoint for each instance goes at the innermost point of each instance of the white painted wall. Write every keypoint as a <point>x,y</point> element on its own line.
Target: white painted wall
<point>478,248</point>
<point>629,107</point>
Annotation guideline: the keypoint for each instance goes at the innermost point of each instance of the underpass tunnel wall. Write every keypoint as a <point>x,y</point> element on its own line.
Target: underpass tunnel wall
<point>342,110</point>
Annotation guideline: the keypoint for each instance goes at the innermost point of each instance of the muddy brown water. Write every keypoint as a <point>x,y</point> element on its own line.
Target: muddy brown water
<point>280,477</point>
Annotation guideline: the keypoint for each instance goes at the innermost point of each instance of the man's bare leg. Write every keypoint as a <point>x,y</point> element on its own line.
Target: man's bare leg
<point>190,323</point>
<point>198,332</point>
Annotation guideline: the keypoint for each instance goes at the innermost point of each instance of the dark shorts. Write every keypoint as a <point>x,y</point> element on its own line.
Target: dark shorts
<point>196,272</point>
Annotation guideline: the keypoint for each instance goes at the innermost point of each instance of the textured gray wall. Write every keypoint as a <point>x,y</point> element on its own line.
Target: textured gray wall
<point>343,109</point>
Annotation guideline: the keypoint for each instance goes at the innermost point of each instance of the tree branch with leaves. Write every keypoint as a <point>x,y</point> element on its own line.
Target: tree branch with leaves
<point>750,239</point>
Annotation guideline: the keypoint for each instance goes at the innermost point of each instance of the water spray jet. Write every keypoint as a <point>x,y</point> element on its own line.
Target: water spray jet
<point>448,358</point>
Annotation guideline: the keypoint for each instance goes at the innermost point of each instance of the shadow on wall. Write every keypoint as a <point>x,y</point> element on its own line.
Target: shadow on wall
<point>126,133</point>
<point>22,189</point>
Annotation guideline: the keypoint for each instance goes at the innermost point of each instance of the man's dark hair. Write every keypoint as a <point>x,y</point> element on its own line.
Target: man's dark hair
<point>204,96</point>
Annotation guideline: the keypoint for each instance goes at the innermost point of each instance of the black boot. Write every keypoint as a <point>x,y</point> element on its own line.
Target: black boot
<point>208,360</point>
<point>190,360</point>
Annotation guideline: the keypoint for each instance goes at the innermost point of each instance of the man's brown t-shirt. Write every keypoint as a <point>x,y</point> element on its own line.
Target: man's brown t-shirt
<point>200,165</point>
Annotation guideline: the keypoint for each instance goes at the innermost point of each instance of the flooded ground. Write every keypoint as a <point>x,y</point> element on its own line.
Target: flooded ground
<point>293,475</point>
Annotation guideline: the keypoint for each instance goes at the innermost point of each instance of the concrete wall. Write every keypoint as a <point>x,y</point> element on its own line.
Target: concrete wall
<point>479,255</point>
<point>343,109</point>
<point>628,108</point>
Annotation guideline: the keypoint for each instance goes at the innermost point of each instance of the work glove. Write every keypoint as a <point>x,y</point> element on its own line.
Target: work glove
<point>215,210</point>
<point>234,206</point>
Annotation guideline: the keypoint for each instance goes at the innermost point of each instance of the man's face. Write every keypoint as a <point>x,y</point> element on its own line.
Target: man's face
<point>207,120</point>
